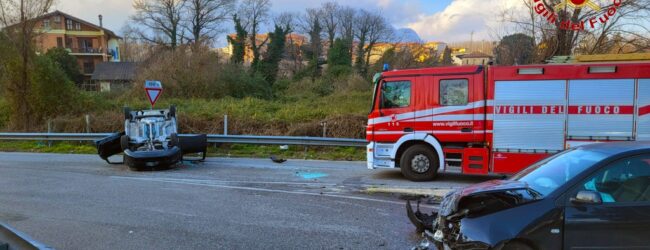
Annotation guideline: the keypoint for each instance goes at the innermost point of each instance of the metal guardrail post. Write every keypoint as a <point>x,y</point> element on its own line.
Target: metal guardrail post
<point>225,125</point>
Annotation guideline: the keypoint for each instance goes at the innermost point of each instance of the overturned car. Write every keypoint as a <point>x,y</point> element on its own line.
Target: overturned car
<point>150,140</point>
<point>592,197</point>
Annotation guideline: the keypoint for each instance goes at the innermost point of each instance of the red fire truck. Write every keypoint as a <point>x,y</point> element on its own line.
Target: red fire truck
<point>481,120</point>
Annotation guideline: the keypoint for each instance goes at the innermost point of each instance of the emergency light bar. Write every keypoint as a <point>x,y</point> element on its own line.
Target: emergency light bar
<point>531,71</point>
<point>602,69</point>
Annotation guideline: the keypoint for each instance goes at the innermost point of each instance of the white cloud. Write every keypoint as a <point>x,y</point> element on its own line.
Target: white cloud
<point>461,18</point>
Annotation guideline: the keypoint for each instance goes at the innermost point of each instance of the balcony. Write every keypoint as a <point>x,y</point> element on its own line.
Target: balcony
<point>93,51</point>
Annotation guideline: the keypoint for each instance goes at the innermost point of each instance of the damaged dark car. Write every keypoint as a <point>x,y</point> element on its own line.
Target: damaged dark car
<point>591,197</point>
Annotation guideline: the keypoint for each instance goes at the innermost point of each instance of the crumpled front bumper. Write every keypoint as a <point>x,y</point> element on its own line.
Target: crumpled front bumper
<point>151,159</point>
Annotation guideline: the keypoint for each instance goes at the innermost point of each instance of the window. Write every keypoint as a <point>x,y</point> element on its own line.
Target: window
<point>548,175</point>
<point>77,26</point>
<point>626,180</point>
<point>59,42</point>
<point>46,23</point>
<point>68,43</point>
<point>89,66</point>
<point>454,92</point>
<point>68,24</point>
<point>395,94</point>
<point>57,19</point>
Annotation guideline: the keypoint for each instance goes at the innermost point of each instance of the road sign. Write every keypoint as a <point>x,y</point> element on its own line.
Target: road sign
<point>154,90</point>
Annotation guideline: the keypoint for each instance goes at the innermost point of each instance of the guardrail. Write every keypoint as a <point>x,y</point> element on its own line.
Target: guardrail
<point>234,139</point>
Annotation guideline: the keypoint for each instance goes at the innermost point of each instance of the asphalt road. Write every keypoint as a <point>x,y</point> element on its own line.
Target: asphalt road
<point>81,202</point>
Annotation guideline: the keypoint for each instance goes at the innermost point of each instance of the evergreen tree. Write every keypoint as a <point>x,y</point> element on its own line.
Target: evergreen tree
<point>516,49</point>
<point>239,42</point>
<point>339,55</point>
<point>339,58</point>
<point>316,46</point>
<point>67,63</point>
<point>446,57</point>
<point>275,51</point>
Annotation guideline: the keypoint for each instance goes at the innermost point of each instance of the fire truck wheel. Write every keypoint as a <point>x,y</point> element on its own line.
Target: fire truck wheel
<point>419,163</point>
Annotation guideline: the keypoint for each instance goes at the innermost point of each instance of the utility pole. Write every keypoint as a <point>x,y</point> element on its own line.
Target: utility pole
<point>471,41</point>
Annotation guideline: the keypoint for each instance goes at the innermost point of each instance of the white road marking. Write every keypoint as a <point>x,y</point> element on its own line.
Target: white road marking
<point>204,183</point>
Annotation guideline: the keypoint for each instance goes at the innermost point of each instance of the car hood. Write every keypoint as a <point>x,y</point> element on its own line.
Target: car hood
<point>493,185</point>
<point>509,192</point>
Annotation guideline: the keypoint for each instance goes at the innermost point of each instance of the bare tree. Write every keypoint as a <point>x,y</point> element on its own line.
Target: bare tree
<point>607,28</point>
<point>132,48</point>
<point>286,19</point>
<point>369,28</point>
<point>19,19</point>
<point>204,18</point>
<point>254,14</point>
<point>329,12</point>
<point>346,17</point>
<point>162,18</point>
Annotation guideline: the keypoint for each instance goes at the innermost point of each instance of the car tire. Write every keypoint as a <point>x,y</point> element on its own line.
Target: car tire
<point>124,142</point>
<point>517,246</point>
<point>172,111</point>
<point>127,114</point>
<point>419,163</point>
<point>173,140</point>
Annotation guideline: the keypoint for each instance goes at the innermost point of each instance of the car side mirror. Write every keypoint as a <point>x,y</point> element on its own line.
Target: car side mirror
<point>587,197</point>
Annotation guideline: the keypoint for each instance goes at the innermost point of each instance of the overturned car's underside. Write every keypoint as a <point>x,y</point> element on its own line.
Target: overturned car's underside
<point>150,140</point>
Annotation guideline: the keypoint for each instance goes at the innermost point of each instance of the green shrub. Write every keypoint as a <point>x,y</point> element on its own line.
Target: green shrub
<point>52,92</point>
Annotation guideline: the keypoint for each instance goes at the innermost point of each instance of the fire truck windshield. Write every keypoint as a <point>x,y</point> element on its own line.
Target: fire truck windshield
<point>396,94</point>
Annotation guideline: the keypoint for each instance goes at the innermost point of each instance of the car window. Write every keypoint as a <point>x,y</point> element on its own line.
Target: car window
<point>396,94</point>
<point>626,180</point>
<point>454,92</point>
<point>548,175</point>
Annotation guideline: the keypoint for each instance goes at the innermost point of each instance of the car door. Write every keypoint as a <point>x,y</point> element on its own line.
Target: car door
<point>397,106</point>
<point>622,219</point>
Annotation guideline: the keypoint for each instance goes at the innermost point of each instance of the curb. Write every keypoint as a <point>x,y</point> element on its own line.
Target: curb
<point>437,193</point>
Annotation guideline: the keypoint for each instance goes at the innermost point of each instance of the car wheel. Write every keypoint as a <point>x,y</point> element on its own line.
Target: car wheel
<point>517,246</point>
<point>124,142</point>
<point>419,163</point>
<point>127,114</point>
<point>172,111</point>
<point>173,140</point>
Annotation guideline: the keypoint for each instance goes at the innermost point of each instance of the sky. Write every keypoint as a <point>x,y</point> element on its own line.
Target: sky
<point>433,20</point>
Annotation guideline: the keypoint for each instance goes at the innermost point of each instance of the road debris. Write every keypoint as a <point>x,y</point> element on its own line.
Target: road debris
<point>277,160</point>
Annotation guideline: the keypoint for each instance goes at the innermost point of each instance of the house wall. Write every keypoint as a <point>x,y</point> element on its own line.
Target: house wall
<point>55,34</point>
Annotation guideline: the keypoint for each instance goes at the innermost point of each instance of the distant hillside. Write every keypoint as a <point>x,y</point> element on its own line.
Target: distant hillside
<point>406,35</point>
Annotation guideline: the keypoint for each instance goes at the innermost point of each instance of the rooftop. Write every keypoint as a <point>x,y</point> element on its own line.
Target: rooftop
<point>110,71</point>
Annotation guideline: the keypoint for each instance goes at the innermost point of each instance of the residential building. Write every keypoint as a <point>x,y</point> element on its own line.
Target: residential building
<point>111,76</point>
<point>475,58</point>
<point>293,44</point>
<point>91,44</point>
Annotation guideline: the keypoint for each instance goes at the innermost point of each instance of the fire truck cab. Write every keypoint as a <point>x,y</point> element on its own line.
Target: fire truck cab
<point>499,119</point>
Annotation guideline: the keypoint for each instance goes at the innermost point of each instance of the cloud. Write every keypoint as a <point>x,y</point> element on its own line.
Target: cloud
<point>461,18</point>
